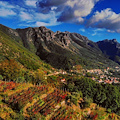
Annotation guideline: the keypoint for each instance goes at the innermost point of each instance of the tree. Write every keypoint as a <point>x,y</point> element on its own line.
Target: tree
<point>39,76</point>
<point>87,102</point>
<point>71,87</point>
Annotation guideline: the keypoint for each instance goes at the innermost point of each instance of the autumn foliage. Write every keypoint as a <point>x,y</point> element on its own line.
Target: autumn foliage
<point>10,69</point>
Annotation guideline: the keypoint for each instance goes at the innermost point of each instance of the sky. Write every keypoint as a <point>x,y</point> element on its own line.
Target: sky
<point>95,19</point>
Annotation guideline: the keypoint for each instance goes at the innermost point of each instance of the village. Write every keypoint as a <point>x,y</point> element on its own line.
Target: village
<point>105,76</point>
<point>99,75</point>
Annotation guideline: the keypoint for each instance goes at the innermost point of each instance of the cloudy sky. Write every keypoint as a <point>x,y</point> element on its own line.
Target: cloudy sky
<point>96,19</point>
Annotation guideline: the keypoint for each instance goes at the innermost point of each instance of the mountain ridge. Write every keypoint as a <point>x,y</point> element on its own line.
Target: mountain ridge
<point>114,53</point>
<point>60,49</point>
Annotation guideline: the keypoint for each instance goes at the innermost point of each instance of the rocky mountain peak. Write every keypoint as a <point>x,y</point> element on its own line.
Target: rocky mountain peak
<point>114,40</point>
<point>44,29</point>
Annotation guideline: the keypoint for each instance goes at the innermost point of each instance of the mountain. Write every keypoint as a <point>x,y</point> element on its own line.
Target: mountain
<point>59,49</point>
<point>63,49</point>
<point>111,48</point>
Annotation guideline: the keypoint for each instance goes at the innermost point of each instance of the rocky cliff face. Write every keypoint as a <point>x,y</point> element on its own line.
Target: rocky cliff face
<point>44,36</point>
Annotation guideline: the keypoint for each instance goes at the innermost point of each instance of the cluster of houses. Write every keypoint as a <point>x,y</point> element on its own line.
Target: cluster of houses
<point>108,81</point>
<point>103,76</point>
<point>95,71</point>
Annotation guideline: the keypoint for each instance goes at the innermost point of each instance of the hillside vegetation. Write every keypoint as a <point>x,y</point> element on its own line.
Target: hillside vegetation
<point>27,101</point>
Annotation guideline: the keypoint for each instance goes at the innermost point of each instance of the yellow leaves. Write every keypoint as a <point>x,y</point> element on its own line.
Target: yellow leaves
<point>39,75</point>
<point>5,111</point>
<point>77,67</point>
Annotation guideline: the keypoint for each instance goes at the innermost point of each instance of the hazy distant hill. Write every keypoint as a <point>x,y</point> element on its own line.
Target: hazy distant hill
<point>110,48</point>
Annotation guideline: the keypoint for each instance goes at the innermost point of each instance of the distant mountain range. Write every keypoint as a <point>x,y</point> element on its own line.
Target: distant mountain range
<point>64,49</point>
<point>110,48</point>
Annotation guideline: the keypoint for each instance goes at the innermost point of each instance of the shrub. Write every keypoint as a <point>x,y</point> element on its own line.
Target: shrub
<point>20,79</point>
<point>1,77</point>
<point>109,110</point>
<point>87,102</point>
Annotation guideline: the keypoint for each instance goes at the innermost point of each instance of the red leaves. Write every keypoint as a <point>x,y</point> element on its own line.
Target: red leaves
<point>95,117</point>
<point>65,118</point>
<point>9,86</point>
<point>91,115</point>
<point>45,72</point>
<point>45,114</point>
<point>35,112</point>
<point>64,96</point>
<point>2,83</point>
<point>112,115</point>
<point>57,96</point>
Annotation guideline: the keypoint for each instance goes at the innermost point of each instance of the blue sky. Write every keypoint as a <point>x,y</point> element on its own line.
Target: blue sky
<point>95,19</point>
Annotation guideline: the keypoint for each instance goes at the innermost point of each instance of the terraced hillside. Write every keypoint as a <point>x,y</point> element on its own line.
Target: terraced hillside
<point>28,101</point>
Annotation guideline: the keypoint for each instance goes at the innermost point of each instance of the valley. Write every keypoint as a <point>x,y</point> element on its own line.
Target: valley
<point>57,76</point>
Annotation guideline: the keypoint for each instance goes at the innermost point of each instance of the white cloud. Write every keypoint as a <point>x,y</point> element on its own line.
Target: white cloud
<point>110,31</point>
<point>25,16</point>
<point>6,12</point>
<point>53,8</point>
<point>105,19</point>
<point>82,29</point>
<point>97,31</point>
<point>45,24</point>
<point>46,20</point>
<point>38,19</point>
<point>6,9</point>
<point>39,23</point>
<point>6,5</point>
<point>70,10</point>
<point>31,3</point>
<point>44,17</point>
